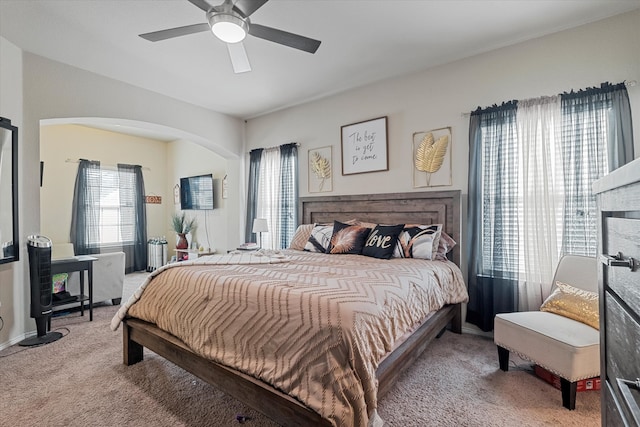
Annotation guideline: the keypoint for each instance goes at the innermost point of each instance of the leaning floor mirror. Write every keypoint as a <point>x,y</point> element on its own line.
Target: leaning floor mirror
<point>9,246</point>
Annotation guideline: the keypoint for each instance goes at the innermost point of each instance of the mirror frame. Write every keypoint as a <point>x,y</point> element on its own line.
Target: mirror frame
<point>6,124</point>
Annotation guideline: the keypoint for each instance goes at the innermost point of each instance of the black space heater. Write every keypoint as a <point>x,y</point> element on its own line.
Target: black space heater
<point>39,248</point>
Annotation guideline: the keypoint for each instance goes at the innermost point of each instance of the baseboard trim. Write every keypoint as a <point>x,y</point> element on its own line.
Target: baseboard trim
<point>16,340</point>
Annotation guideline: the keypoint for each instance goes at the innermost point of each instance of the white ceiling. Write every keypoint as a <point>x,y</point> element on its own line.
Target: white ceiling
<point>362,41</point>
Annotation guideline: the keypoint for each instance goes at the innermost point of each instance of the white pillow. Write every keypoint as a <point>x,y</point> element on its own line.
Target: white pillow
<point>319,239</point>
<point>418,241</point>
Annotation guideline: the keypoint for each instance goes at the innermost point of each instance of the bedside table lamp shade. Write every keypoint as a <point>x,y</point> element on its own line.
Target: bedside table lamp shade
<point>260,226</point>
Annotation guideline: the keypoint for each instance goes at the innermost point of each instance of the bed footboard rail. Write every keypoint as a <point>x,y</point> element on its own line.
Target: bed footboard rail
<point>278,406</point>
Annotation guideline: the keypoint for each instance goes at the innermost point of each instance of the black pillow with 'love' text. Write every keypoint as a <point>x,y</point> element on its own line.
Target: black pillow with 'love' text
<point>382,241</point>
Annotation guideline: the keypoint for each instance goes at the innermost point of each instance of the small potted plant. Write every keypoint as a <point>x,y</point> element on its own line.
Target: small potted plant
<point>182,226</point>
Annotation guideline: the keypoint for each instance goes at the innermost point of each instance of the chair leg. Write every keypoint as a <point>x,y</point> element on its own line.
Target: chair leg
<point>568,393</point>
<point>503,358</point>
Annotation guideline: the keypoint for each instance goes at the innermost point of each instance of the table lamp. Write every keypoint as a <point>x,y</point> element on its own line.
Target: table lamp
<point>260,226</point>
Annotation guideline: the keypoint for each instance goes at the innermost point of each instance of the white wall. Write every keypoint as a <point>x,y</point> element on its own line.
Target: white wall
<point>58,143</point>
<point>582,57</point>
<point>218,228</point>
<point>13,276</point>
<point>51,90</point>
<point>164,163</point>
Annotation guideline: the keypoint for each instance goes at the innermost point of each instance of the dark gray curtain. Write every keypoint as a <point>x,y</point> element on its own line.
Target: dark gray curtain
<point>589,118</point>
<point>85,215</point>
<point>492,219</point>
<point>620,127</point>
<point>596,138</point>
<point>252,192</point>
<point>133,216</point>
<point>289,199</point>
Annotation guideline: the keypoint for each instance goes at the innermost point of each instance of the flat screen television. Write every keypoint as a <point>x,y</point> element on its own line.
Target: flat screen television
<point>196,192</point>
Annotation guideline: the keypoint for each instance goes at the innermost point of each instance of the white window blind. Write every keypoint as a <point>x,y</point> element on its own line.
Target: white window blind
<point>582,151</point>
<point>584,135</point>
<point>116,215</point>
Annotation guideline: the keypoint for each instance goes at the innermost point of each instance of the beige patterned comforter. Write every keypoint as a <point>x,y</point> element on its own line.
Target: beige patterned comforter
<point>312,325</point>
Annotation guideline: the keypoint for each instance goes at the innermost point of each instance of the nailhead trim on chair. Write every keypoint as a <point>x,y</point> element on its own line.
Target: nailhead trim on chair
<point>522,356</point>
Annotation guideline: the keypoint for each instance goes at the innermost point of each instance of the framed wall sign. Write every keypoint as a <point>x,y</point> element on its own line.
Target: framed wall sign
<point>176,194</point>
<point>364,146</point>
<point>225,187</point>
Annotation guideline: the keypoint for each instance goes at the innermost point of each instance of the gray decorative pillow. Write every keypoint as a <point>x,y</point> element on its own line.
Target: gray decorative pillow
<point>319,239</point>
<point>418,241</point>
<point>444,247</point>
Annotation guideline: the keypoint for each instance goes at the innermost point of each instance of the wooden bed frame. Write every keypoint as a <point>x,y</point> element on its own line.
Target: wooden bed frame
<point>442,207</point>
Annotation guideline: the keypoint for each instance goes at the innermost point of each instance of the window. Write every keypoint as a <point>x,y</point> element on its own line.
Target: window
<point>116,221</point>
<point>109,213</point>
<point>577,158</point>
<point>532,166</point>
<point>273,194</point>
<point>585,127</point>
<point>112,203</point>
<point>500,188</point>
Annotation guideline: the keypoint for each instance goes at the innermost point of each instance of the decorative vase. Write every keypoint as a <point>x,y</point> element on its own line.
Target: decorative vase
<point>182,244</point>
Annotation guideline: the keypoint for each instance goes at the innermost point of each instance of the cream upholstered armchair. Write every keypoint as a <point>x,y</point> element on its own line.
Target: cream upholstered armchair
<point>566,347</point>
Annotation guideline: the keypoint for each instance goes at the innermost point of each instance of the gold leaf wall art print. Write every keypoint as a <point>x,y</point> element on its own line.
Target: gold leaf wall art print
<point>320,176</point>
<point>432,158</point>
<point>321,167</point>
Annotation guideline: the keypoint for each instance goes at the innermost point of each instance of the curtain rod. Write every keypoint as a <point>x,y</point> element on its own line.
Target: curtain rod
<point>103,164</point>
<point>297,144</point>
<point>627,83</point>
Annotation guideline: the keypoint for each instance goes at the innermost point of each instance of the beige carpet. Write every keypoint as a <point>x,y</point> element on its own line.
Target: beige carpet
<point>80,381</point>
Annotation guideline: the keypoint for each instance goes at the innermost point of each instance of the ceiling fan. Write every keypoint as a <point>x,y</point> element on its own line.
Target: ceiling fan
<point>230,22</point>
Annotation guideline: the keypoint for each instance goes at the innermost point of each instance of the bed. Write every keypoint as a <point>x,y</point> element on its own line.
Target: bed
<point>285,404</point>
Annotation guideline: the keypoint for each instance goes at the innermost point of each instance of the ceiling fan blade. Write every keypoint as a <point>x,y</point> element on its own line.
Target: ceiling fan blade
<point>175,32</point>
<point>202,4</point>
<point>239,58</point>
<point>247,7</point>
<point>282,37</point>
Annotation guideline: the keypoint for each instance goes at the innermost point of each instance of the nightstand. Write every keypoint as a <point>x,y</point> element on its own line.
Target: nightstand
<point>195,253</point>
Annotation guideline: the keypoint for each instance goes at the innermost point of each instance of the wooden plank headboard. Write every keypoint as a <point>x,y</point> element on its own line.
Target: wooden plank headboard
<point>436,207</point>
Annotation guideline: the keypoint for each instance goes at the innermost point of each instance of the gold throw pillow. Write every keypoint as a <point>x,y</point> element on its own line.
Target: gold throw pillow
<point>574,303</point>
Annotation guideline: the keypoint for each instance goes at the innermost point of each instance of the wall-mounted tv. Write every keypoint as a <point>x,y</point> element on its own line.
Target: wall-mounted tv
<point>196,192</point>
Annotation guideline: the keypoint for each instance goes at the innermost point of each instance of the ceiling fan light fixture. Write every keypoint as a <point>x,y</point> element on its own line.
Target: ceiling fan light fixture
<point>228,28</point>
